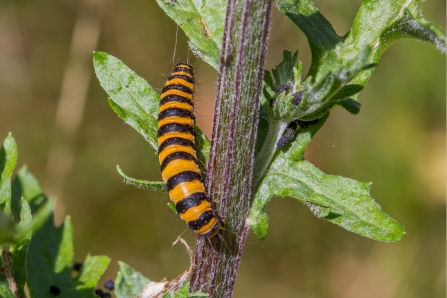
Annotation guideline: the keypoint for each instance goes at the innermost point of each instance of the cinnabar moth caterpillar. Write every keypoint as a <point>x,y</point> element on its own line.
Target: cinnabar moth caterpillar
<point>177,153</point>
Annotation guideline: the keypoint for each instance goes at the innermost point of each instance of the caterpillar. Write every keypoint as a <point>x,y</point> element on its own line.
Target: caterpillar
<point>177,153</point>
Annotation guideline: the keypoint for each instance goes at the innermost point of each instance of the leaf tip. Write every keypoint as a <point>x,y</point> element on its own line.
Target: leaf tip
<point>259,223</point>
<point>99,56</point>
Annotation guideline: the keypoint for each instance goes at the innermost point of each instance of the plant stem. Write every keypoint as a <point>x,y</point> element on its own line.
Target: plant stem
<point>265,155</point>
<point>230,167</point>
<point>9,272</point>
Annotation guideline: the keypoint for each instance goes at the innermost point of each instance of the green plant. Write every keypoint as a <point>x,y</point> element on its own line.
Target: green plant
<point>340,68</point>
<point>34,250</point>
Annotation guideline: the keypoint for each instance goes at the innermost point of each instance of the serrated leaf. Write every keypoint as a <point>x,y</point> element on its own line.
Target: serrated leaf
<point>342,201</point>
<point>151,185</point>
<point>283,72</point>
<point>8,160</point>
<point>319,32</point>
<point>135,101</point>
<point>340,68</point>
<point>320,97</point>
<point>376,26</point>
<point>129,282</point>
<point>415,26</point>
<point>50,252</point>
<point>203,23</point>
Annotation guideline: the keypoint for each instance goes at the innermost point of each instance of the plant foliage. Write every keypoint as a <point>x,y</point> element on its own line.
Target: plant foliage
<point>340,68</point>
<point>41,254</point>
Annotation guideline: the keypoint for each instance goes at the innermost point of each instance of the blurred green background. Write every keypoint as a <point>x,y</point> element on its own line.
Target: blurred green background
<point>71,140</point>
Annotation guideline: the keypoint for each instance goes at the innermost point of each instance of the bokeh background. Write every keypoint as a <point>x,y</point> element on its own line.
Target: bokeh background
<point>71,140</point>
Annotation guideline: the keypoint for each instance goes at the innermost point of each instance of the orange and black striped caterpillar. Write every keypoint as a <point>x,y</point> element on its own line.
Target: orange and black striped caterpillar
<point>177,153</point>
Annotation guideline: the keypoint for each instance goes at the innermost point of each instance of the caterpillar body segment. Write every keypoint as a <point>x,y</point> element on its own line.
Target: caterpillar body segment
<point>177,154</point>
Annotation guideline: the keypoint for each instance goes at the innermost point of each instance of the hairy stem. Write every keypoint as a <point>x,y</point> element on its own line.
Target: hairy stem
<point>9,272</point>
<point>230,168</point>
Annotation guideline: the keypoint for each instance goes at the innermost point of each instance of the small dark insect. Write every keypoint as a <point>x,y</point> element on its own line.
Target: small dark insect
<point>172,2</point>
<point>109,285</point>
<point>290,131</point>
<point>101,294</point>
<point>288,135</point>
<point>77,266</point>
<point>55,290</point>
<point>284,87</point>
<point>304,124</point>
<point>297,97</point>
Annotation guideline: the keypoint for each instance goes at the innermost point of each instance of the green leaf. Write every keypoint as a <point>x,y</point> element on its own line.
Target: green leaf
<point>172,206</point>
<point>132,98</point>
<point>401,19</point>
<point>342,201</point>
<point>15,235</point>
<point>340,68</point>
<point>25,185</point>
<point>203,23</point>
<point>7,229</point>
<point>51,250</point>
<point>183,292</point>
<point>319,32</point>
<point>91,271</point>
<point>350,105</point>
<point>283,73</point>
<point>129,282</point>
<point>14,231</point>
<point>202,149</point>
<point>8,160</point>
<point>320,97</point>
<point>338,61</point>
<point>151,185</point>
<point>12,234</point>
<point>51,254</point>
<point>135,101</point>
<point>347,91</point>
